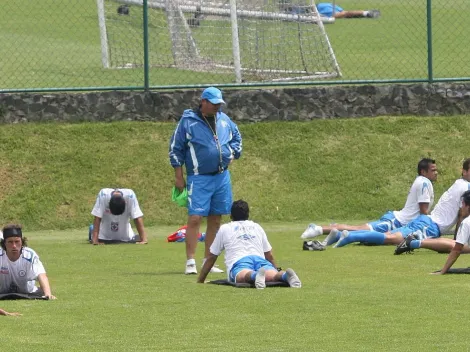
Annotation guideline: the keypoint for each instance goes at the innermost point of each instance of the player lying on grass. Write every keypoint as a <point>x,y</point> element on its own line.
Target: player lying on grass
<point>419,201</point>
<point>20,266</point>
<point>113,210</point>
<point>462,240</point>
<point>326,9</point>
<point>445,215</point>
<point>248,253</point>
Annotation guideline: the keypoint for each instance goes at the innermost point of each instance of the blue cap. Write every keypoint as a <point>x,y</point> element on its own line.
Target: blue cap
<point>213,95</point>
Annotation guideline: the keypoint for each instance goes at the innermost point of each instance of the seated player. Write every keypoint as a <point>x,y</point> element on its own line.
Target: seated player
<point>248,253</point>
<point>112,211</point>
<point>20,266</point>
<point>419,201</point>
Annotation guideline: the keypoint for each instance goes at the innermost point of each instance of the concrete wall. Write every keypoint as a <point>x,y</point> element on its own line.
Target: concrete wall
<point>242,105</point>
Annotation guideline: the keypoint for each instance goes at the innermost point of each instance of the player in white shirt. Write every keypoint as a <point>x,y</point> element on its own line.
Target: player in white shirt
<point>462,241</point>
<point>20,266</point>
<point>419,201</point>
<point>113,210</point>
<point>248,253</point>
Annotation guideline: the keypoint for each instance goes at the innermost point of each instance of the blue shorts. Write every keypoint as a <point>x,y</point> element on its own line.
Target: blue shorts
<point>209,194</point>
<point>250,262</point>
<point>422,226</point>
<point>326,9</point>
<point>386,223</point>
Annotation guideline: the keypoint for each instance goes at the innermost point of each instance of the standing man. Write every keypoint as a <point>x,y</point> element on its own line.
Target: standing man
<point>113,210</point>
<point>20,266</point>
<point>205,141</point>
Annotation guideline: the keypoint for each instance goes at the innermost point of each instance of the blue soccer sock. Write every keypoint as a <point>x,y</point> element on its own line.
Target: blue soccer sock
<point>284,277</point>
<point>415,244</point>
<point>363,236</point>
<point>253,276</point>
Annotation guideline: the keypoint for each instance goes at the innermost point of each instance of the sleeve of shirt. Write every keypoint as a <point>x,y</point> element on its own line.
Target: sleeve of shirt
<point>177,147</point>
<point>463,234</point>
<point>424,193</point>
<point>217,246</point>
<point>134,206</point>
<point>99,208</point>
<point>236,142</point>
<point>36,267</point>
<point>266,245</point>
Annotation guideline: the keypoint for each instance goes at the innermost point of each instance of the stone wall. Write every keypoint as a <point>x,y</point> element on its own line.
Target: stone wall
<point>242,105</point>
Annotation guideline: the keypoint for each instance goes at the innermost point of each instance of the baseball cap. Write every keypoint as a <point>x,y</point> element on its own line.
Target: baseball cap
<point>213,94</point>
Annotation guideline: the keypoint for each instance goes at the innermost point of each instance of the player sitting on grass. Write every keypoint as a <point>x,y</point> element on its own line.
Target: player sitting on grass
<point>20,266</point>
<point>419,201</point>
<point>441,221</point>
<point>248,253</point>
<point>112,211</point>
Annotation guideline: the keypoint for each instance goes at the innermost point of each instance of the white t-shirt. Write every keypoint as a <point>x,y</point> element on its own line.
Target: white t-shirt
<point>116,227</point>
<point>20,276</point>
<point>421,191</point>
<point>463,233</point>
<point>240,239</point>
<point>446,211</point>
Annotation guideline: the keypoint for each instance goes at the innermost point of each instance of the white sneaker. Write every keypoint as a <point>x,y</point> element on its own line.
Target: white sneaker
<point>344,234</point>
<point>260,279</point>
<point>293,279</point>
<point>312,231</point>
<point>215,269</point>
<point>332,237</point>
<point>190,267</point>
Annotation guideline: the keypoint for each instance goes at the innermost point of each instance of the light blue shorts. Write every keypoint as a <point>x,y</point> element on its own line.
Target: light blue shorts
<point>209,194</point>
<point>326,9</point>
<point>387,222</point>
<point>250,262</point>
<point>423,227</point>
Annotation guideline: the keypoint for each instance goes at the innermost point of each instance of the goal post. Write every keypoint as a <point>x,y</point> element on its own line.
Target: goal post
<point>255,40</point>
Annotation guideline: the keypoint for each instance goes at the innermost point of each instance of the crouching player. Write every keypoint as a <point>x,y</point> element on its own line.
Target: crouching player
<point>20,266</point>
<point>248,253</point>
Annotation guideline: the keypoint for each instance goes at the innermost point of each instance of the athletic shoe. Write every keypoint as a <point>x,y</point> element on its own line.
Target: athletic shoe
<point>260,279</point>
<point>312,231</point>
<point>332,237</point>
<point>405,245</point>
<point>215,269</point>
<point>373,14</point>
<point>293,279</point>
<point>313,246</point>
<point>190,267</point>
<point>344,234</point>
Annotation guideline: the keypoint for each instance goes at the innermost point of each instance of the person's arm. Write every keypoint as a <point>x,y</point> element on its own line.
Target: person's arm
<point>96,230</point>
<point>270,258</point>
<point>236,142</point>
<point>453,256</point>
<point>208,264</point>
<point>423,208</point>
<point>139,224</point>
<point>46,288</point>
<point>4,312</point>
<point>460,218</point>
<point>179,178</point>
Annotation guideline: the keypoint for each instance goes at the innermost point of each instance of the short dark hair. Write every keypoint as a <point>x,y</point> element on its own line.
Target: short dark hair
<point>466,164</point>
<point>117,203</point>
<point>466,197</point>
<point>24,240</point>
<point>240,210</point>
<point>424,164</point>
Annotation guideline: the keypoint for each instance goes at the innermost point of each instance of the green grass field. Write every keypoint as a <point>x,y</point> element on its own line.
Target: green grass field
<point>135,298</point>
<point>48,44</point>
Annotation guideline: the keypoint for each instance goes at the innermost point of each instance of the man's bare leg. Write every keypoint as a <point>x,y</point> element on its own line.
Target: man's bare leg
<point>194,223</point>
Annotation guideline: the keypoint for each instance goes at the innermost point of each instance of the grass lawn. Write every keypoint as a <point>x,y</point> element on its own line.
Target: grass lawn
<point>135,298</point>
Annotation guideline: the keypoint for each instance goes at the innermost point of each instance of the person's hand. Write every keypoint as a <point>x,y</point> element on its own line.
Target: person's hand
<point>97,243</point>
<point>14,314</point>
<point>437,273</point>
<point>50,297</point>
<point>180,184</point>
<point>142,242</point>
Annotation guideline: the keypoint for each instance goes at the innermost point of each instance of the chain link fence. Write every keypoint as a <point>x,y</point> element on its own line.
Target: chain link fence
<point>157,44</point>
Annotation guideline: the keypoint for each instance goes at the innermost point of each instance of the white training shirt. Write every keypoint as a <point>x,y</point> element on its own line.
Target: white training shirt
<point>463,233</point>
<point>116,227</point>
<point>240,239</point>
<point>446,211</point>
<point>421,191</point>
<point>20,276</point>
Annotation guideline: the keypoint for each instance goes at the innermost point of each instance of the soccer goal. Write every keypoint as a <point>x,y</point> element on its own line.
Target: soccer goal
<point>254,40</point>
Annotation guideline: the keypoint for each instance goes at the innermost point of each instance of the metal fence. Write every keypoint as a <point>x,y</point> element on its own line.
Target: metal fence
<point>60,45</point>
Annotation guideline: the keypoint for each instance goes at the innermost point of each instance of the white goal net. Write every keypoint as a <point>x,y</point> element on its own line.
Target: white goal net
<point>253,40</point>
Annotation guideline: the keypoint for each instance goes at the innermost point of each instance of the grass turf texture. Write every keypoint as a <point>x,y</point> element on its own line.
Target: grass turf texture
<point>135,298</point>
<point>56,44</point>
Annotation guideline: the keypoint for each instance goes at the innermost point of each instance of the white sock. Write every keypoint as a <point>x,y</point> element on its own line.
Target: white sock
<point>365,13</point>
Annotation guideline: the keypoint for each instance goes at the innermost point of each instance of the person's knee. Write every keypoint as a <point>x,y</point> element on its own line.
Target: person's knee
<point>194,221</point>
